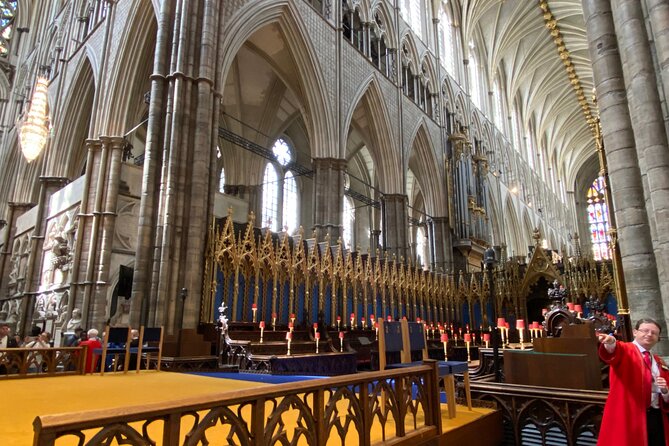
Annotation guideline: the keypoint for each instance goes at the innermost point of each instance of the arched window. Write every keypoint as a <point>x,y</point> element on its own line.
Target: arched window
<point>221,181</point>
<point>475,71</point>
<point>447,47</point>
<point>515,132</point>
<point>411,11</point>
<point>270,198</point>
<point>421,247</point>
<point>7,15</point>
<point>529,146</point>
<point>598,219</point>
<point>499,106</point>
<point>289,203</point>
<point>348,223</point>
<point>280,191</point>
<point>378,48</point>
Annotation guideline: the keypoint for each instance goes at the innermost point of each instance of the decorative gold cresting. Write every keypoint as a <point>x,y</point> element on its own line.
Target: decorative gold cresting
<point>554,30</point>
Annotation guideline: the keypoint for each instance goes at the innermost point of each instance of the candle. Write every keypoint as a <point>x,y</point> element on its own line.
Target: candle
<point>338,321</point>
<point>273,321</point>
<point>468,340</point>
<point>389,318</point>
<point>520,326</point>
<point>289,337</point>
<point>254,308</point>
<point>486,339</point>
<point>444,340</point>
<point>292,317</point>
<point>262,329</point>
<point>371,321</point>
<point>376,328</point>
<point>318,337</point>
<point>290,327</point>
<point>362,322</point>
<point>352,320</point>
<point>341,341</point>
<point>418,320</point>
<point>315,328</point>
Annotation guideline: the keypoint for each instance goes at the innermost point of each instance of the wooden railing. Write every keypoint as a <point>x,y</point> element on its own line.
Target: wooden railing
<point>41,362</point>
<point>545,415</point>
<point>399,406</point>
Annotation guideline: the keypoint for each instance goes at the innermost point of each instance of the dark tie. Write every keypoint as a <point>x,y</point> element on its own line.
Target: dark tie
<point>647,377</point>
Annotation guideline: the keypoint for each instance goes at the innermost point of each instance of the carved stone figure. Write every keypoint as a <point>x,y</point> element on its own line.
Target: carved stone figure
<point>74,322</point>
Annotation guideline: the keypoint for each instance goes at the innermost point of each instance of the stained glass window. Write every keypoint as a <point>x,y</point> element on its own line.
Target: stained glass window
<point>7,14</point>
<point>598,219</point>
<point>349,220</point>
<point>289,203</point>
<point>270,197</point>
<point>280,191</point>
<point>221,182</point>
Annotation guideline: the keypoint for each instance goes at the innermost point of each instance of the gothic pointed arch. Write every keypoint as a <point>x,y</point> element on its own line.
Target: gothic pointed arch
<point>379,134</point>
<point>130,79</point>
<point>424,163</point>
<point>68,152</point>
<point>307,83</point>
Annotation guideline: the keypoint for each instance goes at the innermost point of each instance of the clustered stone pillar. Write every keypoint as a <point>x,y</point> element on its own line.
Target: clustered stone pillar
<point>395,222</point>
<point>440,247</point>
<point>177,195</point>
<point>328,193</point>
<point>628,159</point>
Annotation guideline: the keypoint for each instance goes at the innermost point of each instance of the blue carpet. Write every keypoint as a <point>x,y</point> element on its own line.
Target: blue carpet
<point>278,379</point>
<point>258,377</point>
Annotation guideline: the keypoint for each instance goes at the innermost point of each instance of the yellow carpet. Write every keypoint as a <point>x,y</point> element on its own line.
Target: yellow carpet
<point>25,399</point>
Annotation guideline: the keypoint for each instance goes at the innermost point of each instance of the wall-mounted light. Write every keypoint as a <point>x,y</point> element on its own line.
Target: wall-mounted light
<point>34,130</point>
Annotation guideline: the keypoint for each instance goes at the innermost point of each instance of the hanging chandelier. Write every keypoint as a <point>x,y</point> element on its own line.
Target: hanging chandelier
<point>34,130</point>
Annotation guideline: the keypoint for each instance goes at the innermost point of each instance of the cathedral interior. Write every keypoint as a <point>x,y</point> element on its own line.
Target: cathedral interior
<point>172,162</point>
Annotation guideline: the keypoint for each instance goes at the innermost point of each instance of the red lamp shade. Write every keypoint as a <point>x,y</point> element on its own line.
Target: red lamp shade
<point>578,308</point>
<point>341,335</point>
<point>570,305</point>
<point>262,324</point>
<point>338,318</point>
<point>254,307</point>
<point>318,335</point>
<point>468,337</point>
<point>389,318</point>
<point>520,324</point>
<point>273,315</point>
<point>444,337</point>
<point>315,325</point>
<point>501,322</point>
<point>486,337</point>
<point>352,315</point>
<point>290,325</point>
<point>418,320</point>
<point>292,315</point>
<point>289,335</point>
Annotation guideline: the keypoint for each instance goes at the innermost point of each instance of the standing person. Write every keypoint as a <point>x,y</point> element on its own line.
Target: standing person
<point>637,409</point>
<point>6,338</point>
<point>92,343</point>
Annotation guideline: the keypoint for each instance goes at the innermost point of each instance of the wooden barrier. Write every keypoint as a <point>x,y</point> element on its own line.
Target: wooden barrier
<point>347,407</point>
<point>41,362</point>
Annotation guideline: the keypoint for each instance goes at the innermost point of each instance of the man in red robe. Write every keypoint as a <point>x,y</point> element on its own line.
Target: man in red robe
<point>637,409</point>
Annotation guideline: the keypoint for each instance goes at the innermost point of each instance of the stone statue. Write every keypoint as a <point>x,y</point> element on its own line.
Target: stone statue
<point>74,322</point>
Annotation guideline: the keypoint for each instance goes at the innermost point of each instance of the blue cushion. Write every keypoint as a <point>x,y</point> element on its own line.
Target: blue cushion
<point>416,337</point>
<point>456,366</point>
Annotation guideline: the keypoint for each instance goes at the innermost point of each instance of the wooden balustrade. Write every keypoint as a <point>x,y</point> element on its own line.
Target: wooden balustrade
<point>545,415</point>
<point>40,362</point>
<point>398,405</point>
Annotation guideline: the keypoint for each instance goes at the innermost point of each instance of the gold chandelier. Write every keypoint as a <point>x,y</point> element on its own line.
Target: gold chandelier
<point>34,131</point>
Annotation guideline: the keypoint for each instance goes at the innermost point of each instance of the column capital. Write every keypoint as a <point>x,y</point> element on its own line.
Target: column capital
<point>19,206</point>
<point>116,142</point>
<point>93,144</point>
<point>54,181</point>
<point>329,163</point>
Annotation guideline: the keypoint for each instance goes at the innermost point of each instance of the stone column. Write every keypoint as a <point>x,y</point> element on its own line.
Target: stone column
<point>98,311</point>
<point>441,247</point>
<point>176,192</point>
<point>626,183</point>
<point>395,224</point>
<point>328,197</point>
<point>658,12</point>
<point>48,185</point>
<point>648,125</point>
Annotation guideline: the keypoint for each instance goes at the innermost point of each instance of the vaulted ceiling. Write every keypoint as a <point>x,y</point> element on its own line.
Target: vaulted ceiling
<point>539,50</point>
